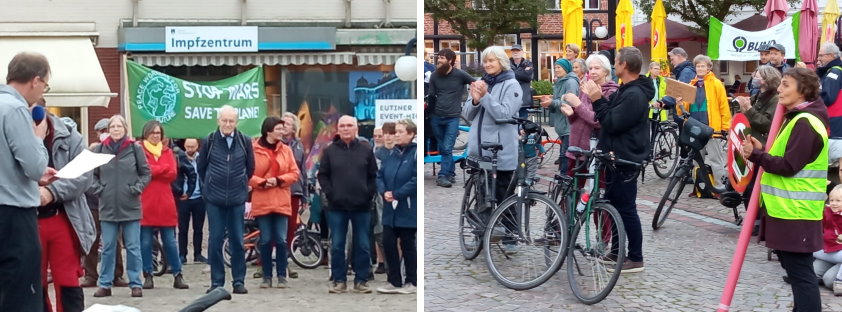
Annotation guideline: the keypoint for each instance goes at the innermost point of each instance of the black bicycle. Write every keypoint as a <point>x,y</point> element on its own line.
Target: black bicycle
<point>694,136</point>
<point>663,144</point>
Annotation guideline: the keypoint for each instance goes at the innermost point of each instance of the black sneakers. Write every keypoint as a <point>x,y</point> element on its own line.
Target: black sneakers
<point>443,181</point>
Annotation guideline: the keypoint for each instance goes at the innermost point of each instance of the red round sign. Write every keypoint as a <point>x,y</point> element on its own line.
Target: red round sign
<point>740,170</point>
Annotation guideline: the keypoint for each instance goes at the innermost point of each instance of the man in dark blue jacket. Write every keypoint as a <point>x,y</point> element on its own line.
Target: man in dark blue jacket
<point>347,174</point>
<point>624,131</point>
<point>225,165</point>
<point>831,74</point>
<point>683,69</point>
<point>523,73</point>
<point>191,206</point>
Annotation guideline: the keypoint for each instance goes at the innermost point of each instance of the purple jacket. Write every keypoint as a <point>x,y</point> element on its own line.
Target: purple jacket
<point>583,122</point>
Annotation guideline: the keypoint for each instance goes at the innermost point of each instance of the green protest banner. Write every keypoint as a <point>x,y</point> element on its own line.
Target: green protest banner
<point>189,109</point>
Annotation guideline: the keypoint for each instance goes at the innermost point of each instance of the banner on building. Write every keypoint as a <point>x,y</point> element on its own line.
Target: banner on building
<point>732,44</point>
<point>394,110</point>
<point>189,109</point>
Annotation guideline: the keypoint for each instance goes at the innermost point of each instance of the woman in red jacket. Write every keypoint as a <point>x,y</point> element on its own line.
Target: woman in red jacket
<point>158,205</point>
<point>275,171</point>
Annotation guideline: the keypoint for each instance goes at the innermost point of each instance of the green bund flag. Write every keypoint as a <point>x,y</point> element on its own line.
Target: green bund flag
<point>189,109</point>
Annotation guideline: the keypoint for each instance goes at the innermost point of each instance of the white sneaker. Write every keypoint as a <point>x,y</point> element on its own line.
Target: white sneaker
<point>408,289</point>
<point>389,289</point>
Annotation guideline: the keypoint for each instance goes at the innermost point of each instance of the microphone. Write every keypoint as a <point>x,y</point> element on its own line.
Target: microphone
<point>38,114</point>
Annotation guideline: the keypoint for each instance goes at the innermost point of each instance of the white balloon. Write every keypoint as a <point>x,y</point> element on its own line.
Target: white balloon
<point>407,68</point>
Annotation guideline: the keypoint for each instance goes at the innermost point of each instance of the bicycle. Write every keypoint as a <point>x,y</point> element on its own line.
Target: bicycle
<point>250,240</point>
<point>594,259</point>
<point>306,249</point>
<point>663,146</point>
<point>518,232</point>
<point>694,136</point>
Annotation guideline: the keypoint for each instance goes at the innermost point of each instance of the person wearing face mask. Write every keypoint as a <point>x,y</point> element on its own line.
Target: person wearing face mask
<point>523,73</point>
<point>764,60</point>
<point>559,108</point>
<point>92,258</point>
<point>711,108</point>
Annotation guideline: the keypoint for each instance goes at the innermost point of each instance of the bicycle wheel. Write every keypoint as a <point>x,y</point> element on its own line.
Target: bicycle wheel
<point>470,227</point>
<point>307,250</point>
<point>665,153</point>
<point>524,245</point>
<point>596,253</point>
<point>159,260</point>
<point>669,199</point>
<point>251,254</point>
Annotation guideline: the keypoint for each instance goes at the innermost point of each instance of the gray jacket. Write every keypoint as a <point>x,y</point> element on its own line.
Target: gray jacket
<point>71,192</point>
<point>300,186</point>
<point>23,157</point>
<point>501,103</point>
<point>562,86</point>
<point>120,182</point>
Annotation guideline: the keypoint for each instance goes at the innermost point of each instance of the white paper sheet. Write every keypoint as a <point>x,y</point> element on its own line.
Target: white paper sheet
<point>86,161</point>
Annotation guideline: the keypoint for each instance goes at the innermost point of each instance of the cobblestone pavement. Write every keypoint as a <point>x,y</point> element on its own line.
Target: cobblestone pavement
<point>306,293</point>
<point>687,262</point>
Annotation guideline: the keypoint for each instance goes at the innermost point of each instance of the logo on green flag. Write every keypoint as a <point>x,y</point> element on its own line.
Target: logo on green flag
<point>189,109</point>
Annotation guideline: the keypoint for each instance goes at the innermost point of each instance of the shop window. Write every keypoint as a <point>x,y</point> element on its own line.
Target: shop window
<point>548,52</point>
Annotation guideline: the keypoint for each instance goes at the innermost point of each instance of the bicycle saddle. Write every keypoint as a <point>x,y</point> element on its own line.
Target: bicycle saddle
<point>491,146</point>
<point>575,150</point>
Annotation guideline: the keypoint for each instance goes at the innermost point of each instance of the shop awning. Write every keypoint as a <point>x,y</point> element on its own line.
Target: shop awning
<point>217,59</point>
<point>77,79</point>
<point>377,58</point>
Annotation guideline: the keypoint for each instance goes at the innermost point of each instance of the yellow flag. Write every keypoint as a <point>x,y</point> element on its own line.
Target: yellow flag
<point>829,16</point>
<point>659,37</point>
<point>572,17</point>
<point>624,24</point>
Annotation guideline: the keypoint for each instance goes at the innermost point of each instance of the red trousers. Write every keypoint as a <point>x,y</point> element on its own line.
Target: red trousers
<point>60,250</point>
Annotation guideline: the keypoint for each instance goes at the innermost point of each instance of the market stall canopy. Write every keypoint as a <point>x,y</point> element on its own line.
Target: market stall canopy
<point>755,22</point>
<point>76,78</point>
<point>676,32</point>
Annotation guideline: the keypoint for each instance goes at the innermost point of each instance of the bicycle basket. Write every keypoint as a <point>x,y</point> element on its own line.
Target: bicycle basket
<point>695,134</point>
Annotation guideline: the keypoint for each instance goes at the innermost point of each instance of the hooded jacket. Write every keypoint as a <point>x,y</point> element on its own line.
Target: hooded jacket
<point>719,112</point>
<point>280,164</point>
<point>67,144</point>
<point>583,121</point>
<point>567,84</point>
<point>831,85</point>
<point>624,120</point>
<point>685,72</point>
<point>23,157</point>
<point>348,174</point>
<point>398,175</point>
<point>157,198</point>
<point>502,102</point>
<point>120,182</point>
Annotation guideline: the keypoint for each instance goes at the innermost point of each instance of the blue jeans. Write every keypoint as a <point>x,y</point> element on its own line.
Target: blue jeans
<point>446,129</point>
<point>361,225</point>
<point>562,160</point>
<point>131,239</point>
<point>273,231</point>
<point>169,245</point>
<point>222,220</point>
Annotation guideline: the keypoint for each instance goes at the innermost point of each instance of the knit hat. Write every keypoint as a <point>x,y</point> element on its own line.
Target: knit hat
<point>564,63</point>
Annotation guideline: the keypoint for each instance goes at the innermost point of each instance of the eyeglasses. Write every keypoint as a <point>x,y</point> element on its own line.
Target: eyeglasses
<point>46,85</point>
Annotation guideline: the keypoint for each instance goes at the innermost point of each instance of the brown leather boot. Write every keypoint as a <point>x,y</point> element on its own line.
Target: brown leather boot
<point>179,283</point>
<point>102,292</point>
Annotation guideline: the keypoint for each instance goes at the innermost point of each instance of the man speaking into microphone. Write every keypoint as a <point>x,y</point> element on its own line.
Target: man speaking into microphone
<point>23,162</point>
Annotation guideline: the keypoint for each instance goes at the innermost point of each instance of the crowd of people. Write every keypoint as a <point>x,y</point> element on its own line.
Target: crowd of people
<point>587,104</point>
<point>155,187</point>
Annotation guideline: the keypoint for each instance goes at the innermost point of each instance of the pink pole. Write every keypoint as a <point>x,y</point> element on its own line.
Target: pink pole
<point>748,223</point>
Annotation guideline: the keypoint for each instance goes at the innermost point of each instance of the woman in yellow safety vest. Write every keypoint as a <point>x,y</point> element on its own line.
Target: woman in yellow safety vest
<point>794,183</point>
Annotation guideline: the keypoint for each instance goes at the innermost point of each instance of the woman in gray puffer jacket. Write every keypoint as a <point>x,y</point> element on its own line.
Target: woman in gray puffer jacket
<point>119,184</point>
<point>567,82</point>
<point>496,97</point>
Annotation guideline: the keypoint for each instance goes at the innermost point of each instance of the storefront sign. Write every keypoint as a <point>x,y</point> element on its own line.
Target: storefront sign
<point>394,110</point>
<point>728,43</point>
<point>211,39</point>
<point>189,109</point>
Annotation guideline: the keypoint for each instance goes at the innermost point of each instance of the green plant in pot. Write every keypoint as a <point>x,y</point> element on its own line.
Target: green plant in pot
<point>542,87</point>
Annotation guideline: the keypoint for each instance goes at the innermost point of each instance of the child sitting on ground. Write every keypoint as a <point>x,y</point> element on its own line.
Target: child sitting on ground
<point>831,253</point>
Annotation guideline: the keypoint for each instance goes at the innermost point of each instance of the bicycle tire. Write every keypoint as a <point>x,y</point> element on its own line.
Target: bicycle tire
<point>666,148</point>
<point>672,194</point>
<point>551,231</point>
<point>251,254</point>
<point>608,219</point>
<point>307,251</point>
<point>159,259</point>
<point>470,235</point>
